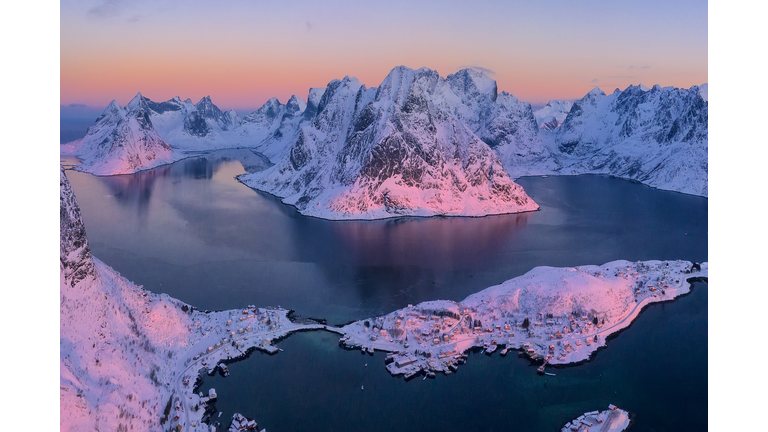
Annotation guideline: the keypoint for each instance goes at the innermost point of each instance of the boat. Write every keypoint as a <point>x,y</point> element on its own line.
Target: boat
<point>362,387</point>
<point>541,368</point>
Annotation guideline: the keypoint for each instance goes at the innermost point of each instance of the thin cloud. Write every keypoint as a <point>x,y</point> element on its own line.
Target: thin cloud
<point>106,9</point>
<point>309,26</point>
<point>479,69</point>
<point>594,81</point>
<point>639,67</point>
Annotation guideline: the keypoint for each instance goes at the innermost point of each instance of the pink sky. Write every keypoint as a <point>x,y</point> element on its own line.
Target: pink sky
<point>243,53</point>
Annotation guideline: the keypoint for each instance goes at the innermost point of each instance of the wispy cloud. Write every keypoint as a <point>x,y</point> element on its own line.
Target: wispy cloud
<point>594,81</point>
<point>622,77</point>
<point>106,9</point>
<point>309,26</point>
<point>639,67</point>
<point>479,69</point>
<point>109,9</point>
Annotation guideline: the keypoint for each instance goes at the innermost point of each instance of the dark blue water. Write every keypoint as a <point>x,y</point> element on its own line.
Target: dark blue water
<point>192,231</point>
<point>656,369</point>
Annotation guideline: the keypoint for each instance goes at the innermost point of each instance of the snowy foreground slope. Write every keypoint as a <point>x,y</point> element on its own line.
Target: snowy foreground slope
<point>129,358</point>
<point>555,315</point>
<point>127,355</point>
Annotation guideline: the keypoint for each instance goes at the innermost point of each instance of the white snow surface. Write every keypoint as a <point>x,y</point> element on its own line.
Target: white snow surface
<point>125,352</point>
<point>560,305</point>
<point>611,420</point>
<point>122,141</point>
<point>419,144</point>
<point>704,91</point>
<point>404,148</point>
<point>553,114</point>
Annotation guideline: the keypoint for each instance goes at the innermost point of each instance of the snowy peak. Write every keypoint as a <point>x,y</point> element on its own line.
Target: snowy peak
<point>401,148</point>
<point>136,103</point>
<point>470,81</point>
<point>704,91</point>
<point>295,106</point>
<point>640,133</point>
<point>553,114</point>
<point>208,110</point>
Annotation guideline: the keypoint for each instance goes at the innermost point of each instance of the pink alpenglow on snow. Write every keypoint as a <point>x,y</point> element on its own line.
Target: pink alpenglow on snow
<point>127,353</point>
<point>556,315</point>
<point>122,141</point>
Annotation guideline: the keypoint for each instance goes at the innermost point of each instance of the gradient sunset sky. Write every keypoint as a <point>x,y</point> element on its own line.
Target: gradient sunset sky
<point>241,53</point>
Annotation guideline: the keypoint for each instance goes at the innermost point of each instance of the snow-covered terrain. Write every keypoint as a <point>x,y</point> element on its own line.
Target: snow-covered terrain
<point>419,144</point>
<point>553,114</point>
<point>558,315</point>
<point>658,136</point>
<point>128,357</point>
<point>613,419</point>
<point>404,148</point>
<point>122,141</point>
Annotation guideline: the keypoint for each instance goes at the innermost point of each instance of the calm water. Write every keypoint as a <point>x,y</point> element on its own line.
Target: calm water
<point>192,231</point>
<point>657,369</point>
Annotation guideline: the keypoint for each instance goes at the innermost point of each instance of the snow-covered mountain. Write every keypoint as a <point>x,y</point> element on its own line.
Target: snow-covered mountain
<point>123,140</point>
<point>658,136</point>
<point>116,340</point>
<point>418,144</point>
<point>553,114</point>
<point>146,134</point>
<point>407,147</point>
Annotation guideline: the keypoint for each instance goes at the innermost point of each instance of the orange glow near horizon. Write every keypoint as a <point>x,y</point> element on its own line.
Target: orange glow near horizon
<point>242,54</point>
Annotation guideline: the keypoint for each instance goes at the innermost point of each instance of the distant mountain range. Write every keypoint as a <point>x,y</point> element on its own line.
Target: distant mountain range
<point>418,144</point>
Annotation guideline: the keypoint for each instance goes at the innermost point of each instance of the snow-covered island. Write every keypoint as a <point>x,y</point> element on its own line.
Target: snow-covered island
<point>554,315</point>
<point>613,419</point>
<point>130,358</point>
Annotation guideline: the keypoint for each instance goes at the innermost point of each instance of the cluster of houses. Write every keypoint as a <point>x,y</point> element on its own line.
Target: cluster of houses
<point>611,420</point>
<point>240,424</point>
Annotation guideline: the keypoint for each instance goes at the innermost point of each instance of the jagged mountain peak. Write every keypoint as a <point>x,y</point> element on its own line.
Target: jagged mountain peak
<point>470,80</point>
<point>704,91</point>
<point>596,92</point>
<point>137,102</point>
<point>295,105</point>
<point>113,106</point>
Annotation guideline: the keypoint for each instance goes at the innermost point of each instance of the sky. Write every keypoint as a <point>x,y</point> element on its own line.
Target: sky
<point>241,53</point>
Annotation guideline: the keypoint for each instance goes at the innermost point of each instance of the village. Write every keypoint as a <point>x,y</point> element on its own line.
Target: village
<point>611,420</point>
<point>559,316</point>
<point>550,315</point>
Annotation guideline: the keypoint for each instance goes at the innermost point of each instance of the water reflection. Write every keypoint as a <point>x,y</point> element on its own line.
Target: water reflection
<point>193,231</point>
